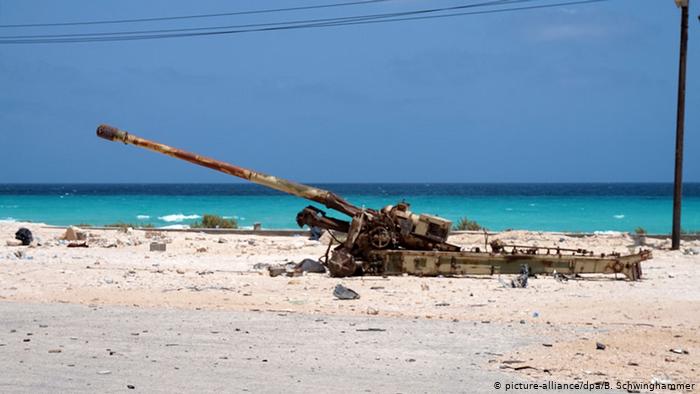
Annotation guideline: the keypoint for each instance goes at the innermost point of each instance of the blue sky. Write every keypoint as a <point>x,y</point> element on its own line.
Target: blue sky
<point>575,94</point>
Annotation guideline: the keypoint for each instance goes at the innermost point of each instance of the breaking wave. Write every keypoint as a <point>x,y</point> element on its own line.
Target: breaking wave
<point>8,220</point>
<point>177,217</point>
<point>619,216</point>
<point>608,232</point>
<point>175,226</point>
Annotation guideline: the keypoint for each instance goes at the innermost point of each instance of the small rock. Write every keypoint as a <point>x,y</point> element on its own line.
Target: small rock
<point>55,350</point>
<point>130,386</point>
<point>222,240</point>
<point>180,271</point>
<point>678,351</point>
<point>260,266</point>
<point>276,270</point>
<point>14,242</point>
<point>24,235</point>
<point>310,265</point>
<point>372,311</point>
<point>693,251</point>
<point>104,372</point>
<point>600,346</point>
<point>343,293</point>
<point>74,234</point>
<point>157,247</point>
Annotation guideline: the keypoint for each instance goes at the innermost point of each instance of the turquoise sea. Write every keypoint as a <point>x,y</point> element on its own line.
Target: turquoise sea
<point>550,207</point>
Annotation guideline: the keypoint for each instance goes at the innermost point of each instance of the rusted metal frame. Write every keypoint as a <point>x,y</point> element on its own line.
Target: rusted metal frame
<point>312,216</point>
<point>524,249</point>
<point>428,263</point>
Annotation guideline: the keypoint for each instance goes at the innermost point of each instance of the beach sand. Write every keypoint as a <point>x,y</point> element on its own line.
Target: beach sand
<point>551,327</point>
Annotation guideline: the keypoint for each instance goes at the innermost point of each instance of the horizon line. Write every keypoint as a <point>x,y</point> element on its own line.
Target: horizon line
<point>363,183</point>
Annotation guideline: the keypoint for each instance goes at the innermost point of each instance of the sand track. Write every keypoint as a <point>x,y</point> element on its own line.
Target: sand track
<point>638,321</point>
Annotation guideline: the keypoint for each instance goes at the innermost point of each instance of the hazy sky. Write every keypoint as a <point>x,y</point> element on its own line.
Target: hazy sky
<point>573,94</point>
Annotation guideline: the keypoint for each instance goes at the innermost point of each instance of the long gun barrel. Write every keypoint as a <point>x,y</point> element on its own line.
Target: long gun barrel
<point>325,197</point>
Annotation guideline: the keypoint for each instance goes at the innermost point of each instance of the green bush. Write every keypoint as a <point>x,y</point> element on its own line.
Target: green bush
<point>466,224</point>
<point>215,221</point>
<point>640,231</point>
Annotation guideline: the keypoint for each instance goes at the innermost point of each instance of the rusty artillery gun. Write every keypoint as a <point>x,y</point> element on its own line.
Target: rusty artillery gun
<point>393,240</point>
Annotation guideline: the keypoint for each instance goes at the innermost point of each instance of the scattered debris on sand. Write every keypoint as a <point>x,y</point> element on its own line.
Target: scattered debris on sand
<point>570,313</point>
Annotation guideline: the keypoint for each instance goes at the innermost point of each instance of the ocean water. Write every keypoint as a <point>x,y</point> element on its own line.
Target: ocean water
<point>547,207</point>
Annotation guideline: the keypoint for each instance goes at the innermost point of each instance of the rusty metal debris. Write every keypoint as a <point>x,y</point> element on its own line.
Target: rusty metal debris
<point>393,240</point>
<point>297,269</point>
<point>521,280</point>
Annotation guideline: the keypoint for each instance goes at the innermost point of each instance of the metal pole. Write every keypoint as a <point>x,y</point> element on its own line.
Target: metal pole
<point>680,120</point>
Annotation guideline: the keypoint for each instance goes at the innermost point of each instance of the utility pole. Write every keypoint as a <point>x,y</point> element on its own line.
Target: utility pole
<point>680,122</point>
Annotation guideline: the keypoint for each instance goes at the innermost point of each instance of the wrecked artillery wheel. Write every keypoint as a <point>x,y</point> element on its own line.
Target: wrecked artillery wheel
<point>380,237</point>
<point>341,264</point>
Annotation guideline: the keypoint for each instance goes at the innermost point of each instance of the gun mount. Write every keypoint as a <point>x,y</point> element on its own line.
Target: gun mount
<point>394,240</point>
<point>393,227</point>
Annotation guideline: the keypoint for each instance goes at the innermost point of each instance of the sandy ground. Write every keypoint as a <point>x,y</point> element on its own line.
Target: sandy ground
<point>548,331</point>
<point>74,348</point>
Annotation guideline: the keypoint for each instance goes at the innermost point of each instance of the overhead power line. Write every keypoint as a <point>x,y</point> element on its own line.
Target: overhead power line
<point>181,17</point>
<point>299,24</point>
<point>284,23</point>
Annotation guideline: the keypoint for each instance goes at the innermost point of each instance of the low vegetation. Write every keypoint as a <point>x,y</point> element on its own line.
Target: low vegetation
<point>466,224</point>
<point>215,221</point>
<point>640,231</point>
